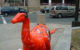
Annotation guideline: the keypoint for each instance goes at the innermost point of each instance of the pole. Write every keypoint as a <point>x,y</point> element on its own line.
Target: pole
<point>50,3</point>
<point>14,2</point>
<point>63,2</point>
<point>27,6</point>
<point>76,22</point>
<point>24,2</point>
<point>76,12</point>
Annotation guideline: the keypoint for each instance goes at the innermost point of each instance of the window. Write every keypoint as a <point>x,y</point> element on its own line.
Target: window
<point>61,8</point>
<point>70,1</point>
<point>64,8</point>
<point>71,8</point>
<point>5,0</point>
<point>44,2</point>
<point>11,1</point>
<point>56,1</point>
<point>52,9</point>
<point>58,8</point>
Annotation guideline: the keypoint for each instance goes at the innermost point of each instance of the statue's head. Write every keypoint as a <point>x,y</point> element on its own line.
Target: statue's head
<point>20,17</point>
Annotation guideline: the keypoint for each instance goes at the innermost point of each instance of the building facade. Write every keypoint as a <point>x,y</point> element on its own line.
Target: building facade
<point>3,3</point>
<point>32,4</point>
<point>35,2</point>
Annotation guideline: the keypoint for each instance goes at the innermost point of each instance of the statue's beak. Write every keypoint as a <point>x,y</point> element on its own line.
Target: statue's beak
<point>13,21</point>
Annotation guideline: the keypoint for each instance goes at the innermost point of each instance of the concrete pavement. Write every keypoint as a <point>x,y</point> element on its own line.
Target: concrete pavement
<point>10,36</point>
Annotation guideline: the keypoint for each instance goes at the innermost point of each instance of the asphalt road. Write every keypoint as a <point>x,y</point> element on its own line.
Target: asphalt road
<point>33,19</point>
<point>52,20</point>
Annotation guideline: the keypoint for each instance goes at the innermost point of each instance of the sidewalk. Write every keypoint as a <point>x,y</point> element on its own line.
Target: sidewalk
<point>10,36</point>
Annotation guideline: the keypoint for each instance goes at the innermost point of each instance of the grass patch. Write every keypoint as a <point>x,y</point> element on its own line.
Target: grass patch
<point>76,38</point>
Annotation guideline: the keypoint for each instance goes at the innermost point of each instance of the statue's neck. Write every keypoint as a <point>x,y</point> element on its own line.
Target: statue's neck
<point>26,29</point>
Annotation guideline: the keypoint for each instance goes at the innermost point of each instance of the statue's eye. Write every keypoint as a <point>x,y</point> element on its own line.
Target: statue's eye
<point>47,31</point>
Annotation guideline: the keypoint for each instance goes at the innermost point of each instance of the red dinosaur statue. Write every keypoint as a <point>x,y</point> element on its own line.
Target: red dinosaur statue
<point>36,39</point>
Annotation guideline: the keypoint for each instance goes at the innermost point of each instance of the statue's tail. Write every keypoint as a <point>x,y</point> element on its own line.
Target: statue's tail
<point>53,30</point>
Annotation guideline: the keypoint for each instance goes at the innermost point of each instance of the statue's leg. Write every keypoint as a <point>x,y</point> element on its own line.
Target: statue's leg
<point>25,48</point>
<point>48,47</point>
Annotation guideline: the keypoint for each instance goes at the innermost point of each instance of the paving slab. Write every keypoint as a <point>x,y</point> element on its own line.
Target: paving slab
<point>10,37</point>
